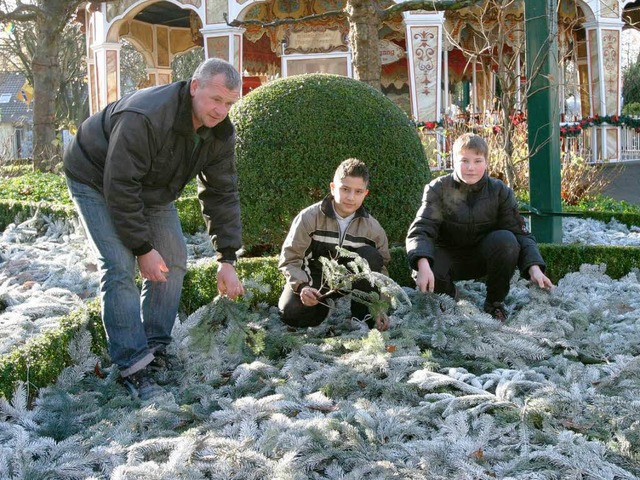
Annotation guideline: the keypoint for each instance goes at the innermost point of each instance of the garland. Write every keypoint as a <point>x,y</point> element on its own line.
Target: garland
<point>574,129</point>
<point>569,129</point>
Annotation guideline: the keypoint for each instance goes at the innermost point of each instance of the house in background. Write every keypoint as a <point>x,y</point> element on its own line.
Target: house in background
<point>16,117</point>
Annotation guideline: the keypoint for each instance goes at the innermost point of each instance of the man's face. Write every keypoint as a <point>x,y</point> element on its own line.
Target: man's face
<point>469,166</point>
<point>348,194</point>
<point>211,101</point>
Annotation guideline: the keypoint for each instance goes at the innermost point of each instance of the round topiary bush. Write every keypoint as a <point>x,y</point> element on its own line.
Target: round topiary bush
<point>291,135</point>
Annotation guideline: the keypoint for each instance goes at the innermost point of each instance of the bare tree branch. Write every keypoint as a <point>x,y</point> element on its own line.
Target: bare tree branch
<point>21,13</point>
<point>429,5</point>
<point>283,21</point>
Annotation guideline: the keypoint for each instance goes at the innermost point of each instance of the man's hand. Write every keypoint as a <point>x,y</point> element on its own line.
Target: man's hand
<point>228,282</point>
<point>152,266</point>
<point>425,281</point>
<point>539,278</point>
<point>309,296</point>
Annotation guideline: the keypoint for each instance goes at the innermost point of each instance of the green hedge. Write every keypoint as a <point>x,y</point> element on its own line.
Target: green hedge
<point>14,211</point>
<point>291,135</point>
<point>563,259</point>
<point>39,361</point>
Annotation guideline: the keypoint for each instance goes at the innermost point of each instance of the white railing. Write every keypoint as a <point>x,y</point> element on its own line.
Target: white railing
<point>438,147</point>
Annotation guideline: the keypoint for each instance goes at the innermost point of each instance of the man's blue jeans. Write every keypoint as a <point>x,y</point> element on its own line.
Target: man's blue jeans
<point>137,323</point>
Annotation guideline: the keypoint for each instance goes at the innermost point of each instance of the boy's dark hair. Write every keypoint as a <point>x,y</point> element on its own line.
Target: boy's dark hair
<point>352,167</point>
<point>473,142</point>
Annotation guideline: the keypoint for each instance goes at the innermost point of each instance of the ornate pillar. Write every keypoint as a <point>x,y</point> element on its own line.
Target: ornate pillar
<point>603,61</point>
<point>224,42</point>
<point>424,54</point>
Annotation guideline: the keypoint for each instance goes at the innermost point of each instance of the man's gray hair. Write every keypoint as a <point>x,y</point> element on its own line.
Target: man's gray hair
<point>216,66</point>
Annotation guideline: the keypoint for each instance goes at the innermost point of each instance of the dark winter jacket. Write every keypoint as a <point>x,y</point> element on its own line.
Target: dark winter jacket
<point>141,151</point>
<point>455,215</point>
<point>315,233</point>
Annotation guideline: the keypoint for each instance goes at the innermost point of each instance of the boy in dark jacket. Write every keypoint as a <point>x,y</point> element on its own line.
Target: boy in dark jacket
<point>469,227</point>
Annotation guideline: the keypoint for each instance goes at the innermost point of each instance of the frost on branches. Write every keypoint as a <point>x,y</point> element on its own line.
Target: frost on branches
<point>446,393</point>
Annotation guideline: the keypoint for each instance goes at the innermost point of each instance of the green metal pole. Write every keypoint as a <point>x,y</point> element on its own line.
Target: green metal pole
<point>543,114</point>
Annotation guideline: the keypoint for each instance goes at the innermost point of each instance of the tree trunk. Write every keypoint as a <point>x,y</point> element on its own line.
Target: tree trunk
<point>364,25</point>
<point>46,85</point>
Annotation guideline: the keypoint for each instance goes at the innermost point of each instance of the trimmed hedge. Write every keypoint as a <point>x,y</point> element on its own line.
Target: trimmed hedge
<point>39,361</point>
<point>563,259</point>
<point>293,132</point>
<point>14,211</point>
<point>200,285</point>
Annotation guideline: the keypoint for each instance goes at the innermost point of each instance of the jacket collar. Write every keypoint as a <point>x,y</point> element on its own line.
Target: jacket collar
<point>328,210</point>
<point>183,123</point>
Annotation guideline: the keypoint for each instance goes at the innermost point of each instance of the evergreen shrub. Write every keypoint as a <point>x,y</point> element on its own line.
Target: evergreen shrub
<point>39,361</point>
<point>293,132</point>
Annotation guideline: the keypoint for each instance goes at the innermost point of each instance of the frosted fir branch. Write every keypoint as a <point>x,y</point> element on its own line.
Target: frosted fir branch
<point>338,277</point>
<point>17,410</point>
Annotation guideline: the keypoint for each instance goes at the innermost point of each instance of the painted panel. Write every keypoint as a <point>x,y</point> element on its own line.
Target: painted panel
<point>613,142</point>
<point>162,46</point>
<point>611,62</point>
<point>594,71</point>
<point>112,75</point>
<point>180,40</point>
<point>143,33</point>
<point>218,47</point>
<point>94,106</point>
<point>215,10</point>
<point>609,8</point>
<point>237,52</point>
<point>425,48</point>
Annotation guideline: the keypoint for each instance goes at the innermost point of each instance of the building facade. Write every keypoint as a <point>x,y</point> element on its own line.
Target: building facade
<point>452,64</point>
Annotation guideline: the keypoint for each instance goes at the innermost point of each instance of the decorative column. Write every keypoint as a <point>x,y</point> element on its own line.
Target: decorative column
<point>222,41</point>
<point>424,54</point>
<point>105,74</point>
<point>603,61</point>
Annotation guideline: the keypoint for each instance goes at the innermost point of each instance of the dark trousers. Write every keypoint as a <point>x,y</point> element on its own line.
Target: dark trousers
<point>495,258</point>
<point>295,314</point>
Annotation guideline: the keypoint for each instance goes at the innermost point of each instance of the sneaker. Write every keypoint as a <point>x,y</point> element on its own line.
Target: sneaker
<point>497,310</point>
<point>161,366</point>
<point>141,386</point>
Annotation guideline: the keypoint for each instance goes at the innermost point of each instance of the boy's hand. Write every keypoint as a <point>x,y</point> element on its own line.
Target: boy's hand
<point>539,278</point>
<point>425,280</point>
<point>309,296</point>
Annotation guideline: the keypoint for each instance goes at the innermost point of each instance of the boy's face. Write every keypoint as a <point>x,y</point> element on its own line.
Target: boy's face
<point>469,166</point>
<point>348,194</point>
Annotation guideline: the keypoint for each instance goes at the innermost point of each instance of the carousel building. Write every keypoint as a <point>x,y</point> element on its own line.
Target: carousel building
<point>435,65</point>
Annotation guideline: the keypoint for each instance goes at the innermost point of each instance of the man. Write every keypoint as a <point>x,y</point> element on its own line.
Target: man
<point>468,227</point>
<point>124,169</point>
<point>339,220</point>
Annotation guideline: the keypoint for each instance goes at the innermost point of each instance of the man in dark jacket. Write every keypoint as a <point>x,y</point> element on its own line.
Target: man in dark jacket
<point>124,169</point>
<point>468,227</point>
